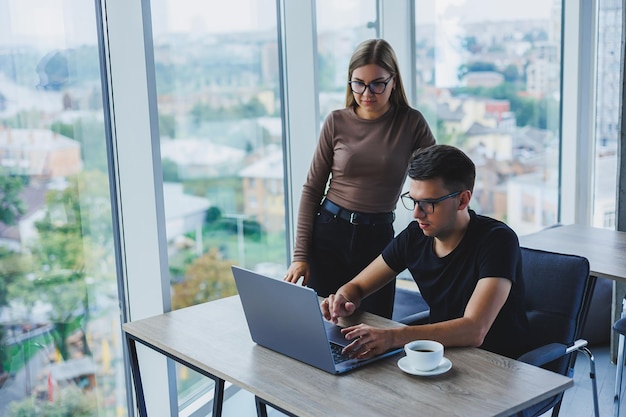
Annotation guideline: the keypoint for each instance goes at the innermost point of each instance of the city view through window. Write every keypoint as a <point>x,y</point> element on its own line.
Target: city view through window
<point>60,344</point>
<point>218,97</point>
<point>490,84</point>
<point>492,87</point>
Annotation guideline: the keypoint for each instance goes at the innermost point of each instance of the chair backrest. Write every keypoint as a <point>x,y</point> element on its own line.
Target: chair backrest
<point>409,307</point>
<point>558,295</point>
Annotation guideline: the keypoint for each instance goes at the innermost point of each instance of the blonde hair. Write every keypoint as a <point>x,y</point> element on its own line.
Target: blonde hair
<point>377,52</point>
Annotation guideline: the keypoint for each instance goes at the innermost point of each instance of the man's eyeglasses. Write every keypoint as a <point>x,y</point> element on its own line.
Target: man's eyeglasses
<point>376,87</point>
<point>427,206</point>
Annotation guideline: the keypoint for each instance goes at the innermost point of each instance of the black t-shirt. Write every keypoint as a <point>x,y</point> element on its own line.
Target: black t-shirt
<point>489,249</point>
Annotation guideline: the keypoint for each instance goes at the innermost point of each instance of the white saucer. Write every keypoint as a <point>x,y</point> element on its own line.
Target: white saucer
<point>444,366</point>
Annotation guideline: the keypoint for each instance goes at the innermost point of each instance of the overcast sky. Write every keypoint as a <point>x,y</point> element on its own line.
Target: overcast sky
<point>73,20</point>
<point>343,13</point>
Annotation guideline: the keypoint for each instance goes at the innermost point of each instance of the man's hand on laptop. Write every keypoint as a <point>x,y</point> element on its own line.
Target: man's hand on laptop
<point>367,341</point>
<point>335,306</point>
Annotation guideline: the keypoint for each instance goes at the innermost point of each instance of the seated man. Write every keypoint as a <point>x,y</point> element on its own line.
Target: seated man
<point>468,267</point>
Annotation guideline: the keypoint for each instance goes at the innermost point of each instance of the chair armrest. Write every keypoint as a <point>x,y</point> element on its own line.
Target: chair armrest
<point>423,317</point>
<point>544,354</point>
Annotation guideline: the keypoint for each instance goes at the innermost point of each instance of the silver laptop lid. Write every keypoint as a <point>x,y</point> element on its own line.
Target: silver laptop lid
<point>284,317</point>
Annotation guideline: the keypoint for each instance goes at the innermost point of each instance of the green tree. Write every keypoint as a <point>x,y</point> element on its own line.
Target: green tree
<point>204,112</point>
<point>201,112</point>
<point>11,267</point>
<point>213,214</point>
<point>166,75</point>
<point>208,278</point>
<point>470,43</point>
<point>63,129</point>
<point>326,64</point>
<point>528,111</point>
<point>89,132</point>
<point>536,35</point>
<point>66,293</point>
<point>443,137</point>
<point>251,109</point>
<point>167,125</point>
<point>11,205</point>
<point>25,119</point>
<point>72,402</point>
<point>170,170</point>
<point>478,66</point>
<point>511,73</point>
<point>75,236</point>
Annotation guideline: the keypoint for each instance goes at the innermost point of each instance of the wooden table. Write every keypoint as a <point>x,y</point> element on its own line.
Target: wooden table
<point>605,249</point>
<point>213,338</point>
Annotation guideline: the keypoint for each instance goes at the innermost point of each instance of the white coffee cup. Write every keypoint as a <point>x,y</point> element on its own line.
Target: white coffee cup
<point>424,355</point>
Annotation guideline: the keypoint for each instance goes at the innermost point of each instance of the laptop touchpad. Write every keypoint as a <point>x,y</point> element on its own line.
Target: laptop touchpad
<point>334,333</point>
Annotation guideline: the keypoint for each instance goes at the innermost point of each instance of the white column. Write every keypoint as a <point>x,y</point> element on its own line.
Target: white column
<point>397,26</point>
<point>137,163</point>
<point>298,34</point>
<point>578,118</point>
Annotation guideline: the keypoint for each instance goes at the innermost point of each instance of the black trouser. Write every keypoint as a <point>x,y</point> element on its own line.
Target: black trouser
<point>340,250</point>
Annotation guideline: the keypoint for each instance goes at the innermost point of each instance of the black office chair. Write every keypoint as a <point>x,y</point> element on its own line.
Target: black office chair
<point>558,294</point>
<point>409,307</point>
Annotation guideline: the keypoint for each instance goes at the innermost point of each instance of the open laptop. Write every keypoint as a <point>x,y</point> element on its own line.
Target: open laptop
<point>286,318</point>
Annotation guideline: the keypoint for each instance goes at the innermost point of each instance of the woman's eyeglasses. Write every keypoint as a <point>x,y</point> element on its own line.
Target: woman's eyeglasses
<point>376,87</point>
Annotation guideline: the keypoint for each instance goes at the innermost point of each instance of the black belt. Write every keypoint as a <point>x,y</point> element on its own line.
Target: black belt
<point>355,217</point>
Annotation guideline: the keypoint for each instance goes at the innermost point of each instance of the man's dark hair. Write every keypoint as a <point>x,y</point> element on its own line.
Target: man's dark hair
<point>456,169</point>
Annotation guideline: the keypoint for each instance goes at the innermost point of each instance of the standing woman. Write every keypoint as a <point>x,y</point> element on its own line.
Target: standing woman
<point>356,175</point>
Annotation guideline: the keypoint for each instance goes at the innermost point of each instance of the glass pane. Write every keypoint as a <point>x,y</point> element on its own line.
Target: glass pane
<point>488,79</point>
<point>610,27</point>
<point>341,26</point>
<point>219,107</point>
<point>60,340</point>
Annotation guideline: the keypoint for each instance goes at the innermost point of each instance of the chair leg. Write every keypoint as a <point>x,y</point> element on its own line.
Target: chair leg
<point>618,375</point>
<point>592,376</point>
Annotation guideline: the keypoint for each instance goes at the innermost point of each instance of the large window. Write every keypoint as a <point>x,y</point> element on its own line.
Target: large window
<point>218,99</point>
<point>488,80</point>
<point>60,344</point>
<point>341,26</point>
<point>607,133</point>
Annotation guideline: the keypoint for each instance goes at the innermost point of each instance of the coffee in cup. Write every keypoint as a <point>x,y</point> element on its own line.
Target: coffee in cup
<point>424,355</point>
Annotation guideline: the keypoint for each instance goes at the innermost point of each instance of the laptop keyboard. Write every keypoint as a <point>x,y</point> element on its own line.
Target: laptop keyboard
<point>337,356</point>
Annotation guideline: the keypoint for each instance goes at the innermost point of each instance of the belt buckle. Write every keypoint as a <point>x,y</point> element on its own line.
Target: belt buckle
<point>352,218</point>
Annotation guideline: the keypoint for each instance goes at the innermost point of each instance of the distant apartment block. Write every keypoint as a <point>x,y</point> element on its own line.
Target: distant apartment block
<point>263,191</point>
<point>543,77</point>
<point>19,235</point>
<point>38,153</point>
<point>483,122</point>
<point>201,158</point>
<point>183,212</point>
<point>532,201</point>
<point>482,79</point>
